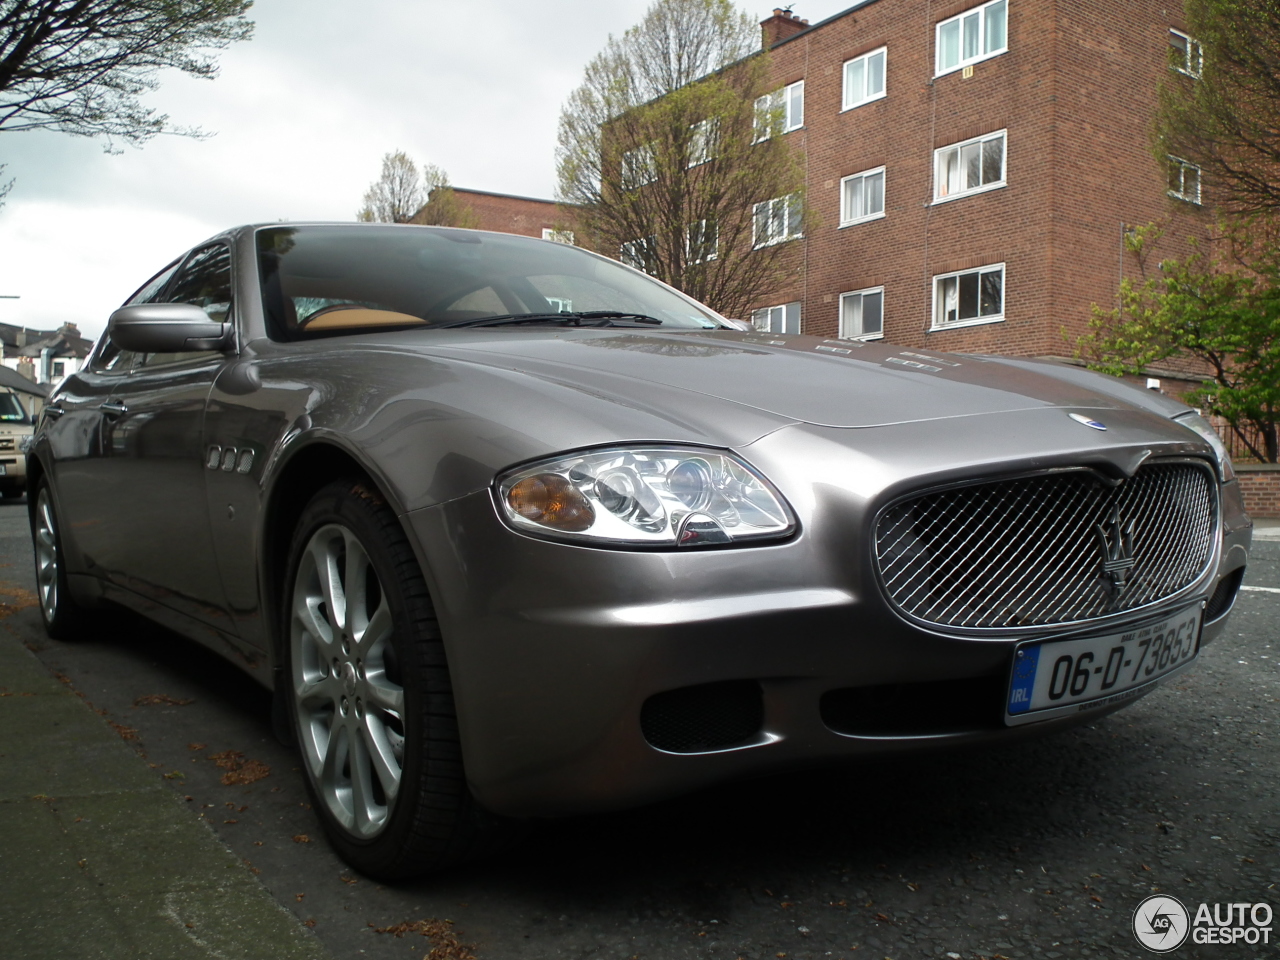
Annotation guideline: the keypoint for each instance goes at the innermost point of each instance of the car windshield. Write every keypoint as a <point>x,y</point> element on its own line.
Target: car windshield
<point>336,279</point>
<point>10,408</point>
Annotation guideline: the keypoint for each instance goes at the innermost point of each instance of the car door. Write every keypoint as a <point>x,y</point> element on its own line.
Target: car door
<point>87,481</point>
<point>154,431</point>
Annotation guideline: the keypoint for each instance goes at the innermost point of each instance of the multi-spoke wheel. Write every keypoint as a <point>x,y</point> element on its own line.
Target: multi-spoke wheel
<point>369,692</point>
<point>62,616</point>
<point>349,699</point>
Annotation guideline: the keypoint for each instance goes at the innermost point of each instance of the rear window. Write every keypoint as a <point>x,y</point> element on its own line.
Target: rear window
<point>326,280</point>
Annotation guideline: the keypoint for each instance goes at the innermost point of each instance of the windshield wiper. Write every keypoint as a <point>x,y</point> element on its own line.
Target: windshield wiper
<point>588,318</point>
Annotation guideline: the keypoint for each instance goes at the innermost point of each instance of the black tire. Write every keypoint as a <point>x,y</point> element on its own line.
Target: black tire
<point>64,619</point>
<point>433,821</point>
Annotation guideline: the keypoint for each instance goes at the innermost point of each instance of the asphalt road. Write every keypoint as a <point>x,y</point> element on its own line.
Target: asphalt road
<point>1036,850</point>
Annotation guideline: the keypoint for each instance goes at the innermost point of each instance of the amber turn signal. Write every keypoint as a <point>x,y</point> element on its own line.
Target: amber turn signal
<point>552,501</point>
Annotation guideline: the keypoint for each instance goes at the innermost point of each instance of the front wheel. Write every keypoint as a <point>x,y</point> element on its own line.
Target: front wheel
<point>371,700</point>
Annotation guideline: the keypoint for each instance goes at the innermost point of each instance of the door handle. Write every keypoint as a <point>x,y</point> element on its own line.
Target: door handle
<point>113,408</point>
<point>54,412</point>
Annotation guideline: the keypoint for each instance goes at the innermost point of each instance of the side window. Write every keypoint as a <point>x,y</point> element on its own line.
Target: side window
<point>204,280</point>
<point>109,358</point>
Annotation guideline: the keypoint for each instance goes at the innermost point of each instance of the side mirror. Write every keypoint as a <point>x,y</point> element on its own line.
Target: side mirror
<point>166,328</point>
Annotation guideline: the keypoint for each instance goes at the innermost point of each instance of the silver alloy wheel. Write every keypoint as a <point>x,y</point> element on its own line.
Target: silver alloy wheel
<point>46,555</point>
<point>350,712</point>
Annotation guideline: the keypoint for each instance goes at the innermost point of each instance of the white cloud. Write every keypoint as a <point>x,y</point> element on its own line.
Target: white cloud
<point>303,114</point>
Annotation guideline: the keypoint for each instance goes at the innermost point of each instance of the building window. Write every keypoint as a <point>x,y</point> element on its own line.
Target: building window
<point>969,167</point>
<point>972,36</point>
<point>780,112</point>
<point>638,253</point>
<point>864,78</point>
<point>1184,180</point>
<point>862,314</point>
<point>558,236</point>
<point>704,141</point>
<point>560,304</point>
<point>1185,54</point>
<point>639,167</point>
<point>778,220</point>
<point>969,297</point>
<point>702,242</point>
<point>862,197</point>
<point>784,318</point>
<point>59,368</point>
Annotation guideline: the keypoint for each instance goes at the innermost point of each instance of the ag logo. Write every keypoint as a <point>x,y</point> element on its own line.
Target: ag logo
<point>1161,923</point>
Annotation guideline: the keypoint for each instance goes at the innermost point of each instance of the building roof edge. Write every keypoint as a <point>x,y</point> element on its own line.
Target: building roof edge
<point>822,23</point>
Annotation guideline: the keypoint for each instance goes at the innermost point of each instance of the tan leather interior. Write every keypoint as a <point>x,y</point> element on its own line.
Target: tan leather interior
<point>346,318</point>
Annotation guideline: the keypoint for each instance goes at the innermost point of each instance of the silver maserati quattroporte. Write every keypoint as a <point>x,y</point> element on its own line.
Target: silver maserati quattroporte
<point>514,531</point>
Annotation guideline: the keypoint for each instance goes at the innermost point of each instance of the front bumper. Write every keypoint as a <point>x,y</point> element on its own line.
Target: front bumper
<point>554,648</point>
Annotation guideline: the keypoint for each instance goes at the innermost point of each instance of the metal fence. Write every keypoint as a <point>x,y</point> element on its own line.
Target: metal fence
<point>1236,446</point>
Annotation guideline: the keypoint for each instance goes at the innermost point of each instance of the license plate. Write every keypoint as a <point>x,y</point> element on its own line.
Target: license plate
<point>1051,678</point>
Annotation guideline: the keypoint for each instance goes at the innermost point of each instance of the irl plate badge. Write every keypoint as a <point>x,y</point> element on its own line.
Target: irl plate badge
<point>1024,679</point>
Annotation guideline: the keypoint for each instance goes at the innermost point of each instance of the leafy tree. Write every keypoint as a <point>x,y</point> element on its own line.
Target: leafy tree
<point>405,194</point>
<point>664,155</point>
<point>1218,308</point>
<point>80,66</point>
<point>1227,121</point>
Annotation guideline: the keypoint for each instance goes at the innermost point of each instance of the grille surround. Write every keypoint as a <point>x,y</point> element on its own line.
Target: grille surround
<point>1005,589</point>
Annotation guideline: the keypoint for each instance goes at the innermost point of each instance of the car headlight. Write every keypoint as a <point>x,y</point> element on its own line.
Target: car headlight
<point>644,497</point>
<point>1193,421</point>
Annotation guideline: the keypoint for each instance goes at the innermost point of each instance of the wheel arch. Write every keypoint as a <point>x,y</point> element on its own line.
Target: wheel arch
<point>296,478</point>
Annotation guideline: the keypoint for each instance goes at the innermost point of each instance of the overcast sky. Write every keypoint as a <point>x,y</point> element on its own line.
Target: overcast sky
<point>302,113</point>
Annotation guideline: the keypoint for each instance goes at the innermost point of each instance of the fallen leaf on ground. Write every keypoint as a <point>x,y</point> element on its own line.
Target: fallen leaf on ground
<point>444,945</point>
<point>196,746</point>
<point>311,922</point>
<point>301,838</point>
<point>160,700</point>
<point>126,733</point>
<point>345,879</point>
<point>239,770</point>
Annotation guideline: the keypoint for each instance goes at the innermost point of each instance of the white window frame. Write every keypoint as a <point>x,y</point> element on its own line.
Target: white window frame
<point>779,105</point>
<point>789,202</point>
<point>938,172</point>
<point>704,141</point>
<point>938,309</point>
<point>1193,48</point>
<point>639,167</point>
<point>631,253</point>
<point>845,334</point>
<point>767,315</point>
<point>845,219</point>
<point>852,104</point>
<point>558,236</point>
<point>1181,192</point>
<point>983,54</point>
<point>696,236</point>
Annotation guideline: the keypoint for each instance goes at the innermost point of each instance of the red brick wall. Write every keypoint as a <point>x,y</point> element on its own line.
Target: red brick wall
<point>510,214</point>
<point>1261,488</point>
<point>1076,93</point>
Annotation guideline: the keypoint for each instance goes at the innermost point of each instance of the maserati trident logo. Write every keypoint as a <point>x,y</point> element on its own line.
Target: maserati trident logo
<point>1116,542</point>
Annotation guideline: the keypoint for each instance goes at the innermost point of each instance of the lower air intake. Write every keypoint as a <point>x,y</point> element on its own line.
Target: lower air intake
<point>915,709</point>
<point>711,716</point>
<point>1224,597</point>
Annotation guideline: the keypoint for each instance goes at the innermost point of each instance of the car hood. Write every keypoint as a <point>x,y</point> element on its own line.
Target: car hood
<point>835,383</point>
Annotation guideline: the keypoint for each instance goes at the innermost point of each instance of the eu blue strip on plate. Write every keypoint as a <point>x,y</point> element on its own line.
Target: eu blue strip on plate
<point>1024,679</point>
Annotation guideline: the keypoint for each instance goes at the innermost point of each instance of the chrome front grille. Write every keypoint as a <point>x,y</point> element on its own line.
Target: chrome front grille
<point>1049,549</point>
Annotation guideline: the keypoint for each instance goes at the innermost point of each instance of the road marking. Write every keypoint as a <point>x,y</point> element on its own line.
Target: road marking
<point>1262,589</point>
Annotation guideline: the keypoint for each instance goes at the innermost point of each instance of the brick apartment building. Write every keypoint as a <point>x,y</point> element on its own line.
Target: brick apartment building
<point>507,213</point>
<point>972,166</point>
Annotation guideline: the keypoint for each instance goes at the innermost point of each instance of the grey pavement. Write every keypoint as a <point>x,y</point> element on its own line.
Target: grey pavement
<point>98,856</point>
